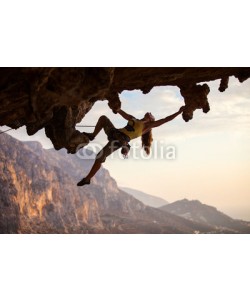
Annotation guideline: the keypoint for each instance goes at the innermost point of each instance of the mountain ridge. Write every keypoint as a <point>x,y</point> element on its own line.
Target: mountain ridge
<point>39,195</point>
<point>194,210</point>
<point>146,198</point>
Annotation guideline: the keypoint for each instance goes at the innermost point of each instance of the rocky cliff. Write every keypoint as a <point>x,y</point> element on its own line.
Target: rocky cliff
<point>38,194</point>
<point>58,98</point>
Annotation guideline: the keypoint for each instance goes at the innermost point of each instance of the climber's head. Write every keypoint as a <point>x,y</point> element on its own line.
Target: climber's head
<point>148,117</point>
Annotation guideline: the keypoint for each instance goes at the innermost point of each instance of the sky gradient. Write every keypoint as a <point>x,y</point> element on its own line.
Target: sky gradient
<point>212,150</point>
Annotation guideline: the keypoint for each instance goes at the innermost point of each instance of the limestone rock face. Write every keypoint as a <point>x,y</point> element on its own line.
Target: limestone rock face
<point>58,98</point>
<point>38,194</point>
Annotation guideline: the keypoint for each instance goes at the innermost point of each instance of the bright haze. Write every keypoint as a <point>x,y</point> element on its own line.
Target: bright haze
<point>207,158</point>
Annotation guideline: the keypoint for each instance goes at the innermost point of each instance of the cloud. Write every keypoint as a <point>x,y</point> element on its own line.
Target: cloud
<point>229,112</point>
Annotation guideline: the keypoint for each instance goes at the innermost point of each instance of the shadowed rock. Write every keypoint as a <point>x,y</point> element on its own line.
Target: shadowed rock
<point>58,98</point>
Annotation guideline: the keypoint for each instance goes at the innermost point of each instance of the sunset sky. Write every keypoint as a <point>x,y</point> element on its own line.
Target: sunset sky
<point>212,150</point>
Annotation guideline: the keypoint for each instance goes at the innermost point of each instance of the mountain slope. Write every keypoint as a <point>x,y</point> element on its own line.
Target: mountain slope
<point>194,210</point>
<point>147,199</point>
<point>39,195</point>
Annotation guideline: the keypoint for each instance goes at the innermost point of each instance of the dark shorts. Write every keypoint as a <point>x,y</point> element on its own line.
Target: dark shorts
<point>112,145</point>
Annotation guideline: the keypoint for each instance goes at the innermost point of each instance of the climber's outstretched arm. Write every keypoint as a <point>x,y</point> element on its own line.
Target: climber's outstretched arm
<point>167,119</point>
<point>125,115</point>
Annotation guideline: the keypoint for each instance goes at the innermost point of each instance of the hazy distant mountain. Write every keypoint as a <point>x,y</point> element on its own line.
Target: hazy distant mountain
<point>194,210</point>
<point>147,199</point>
<point>38,194</point>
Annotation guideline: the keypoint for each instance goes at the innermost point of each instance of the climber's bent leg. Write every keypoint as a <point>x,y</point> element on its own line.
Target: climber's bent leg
<point>102,123</point>
<point>100,158</point>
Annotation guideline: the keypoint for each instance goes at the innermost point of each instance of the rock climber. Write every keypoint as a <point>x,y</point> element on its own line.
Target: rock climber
<point>119,138</point>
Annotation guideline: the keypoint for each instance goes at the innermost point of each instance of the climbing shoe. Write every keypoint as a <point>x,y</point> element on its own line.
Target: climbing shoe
<point>83,182</point>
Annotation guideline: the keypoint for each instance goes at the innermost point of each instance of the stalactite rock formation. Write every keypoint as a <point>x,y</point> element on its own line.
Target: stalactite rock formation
<point>58,98</point>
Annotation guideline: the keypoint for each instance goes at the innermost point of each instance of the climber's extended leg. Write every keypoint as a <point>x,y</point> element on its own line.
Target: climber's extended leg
<point>102,123</point>
<point>100,158</point>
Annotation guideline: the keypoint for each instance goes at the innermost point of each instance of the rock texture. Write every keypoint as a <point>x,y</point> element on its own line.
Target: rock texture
<point>58,98</point>
<point>38,194</point>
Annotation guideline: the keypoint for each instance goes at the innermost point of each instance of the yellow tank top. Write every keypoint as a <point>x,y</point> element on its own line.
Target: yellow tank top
<point>133,129</point>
